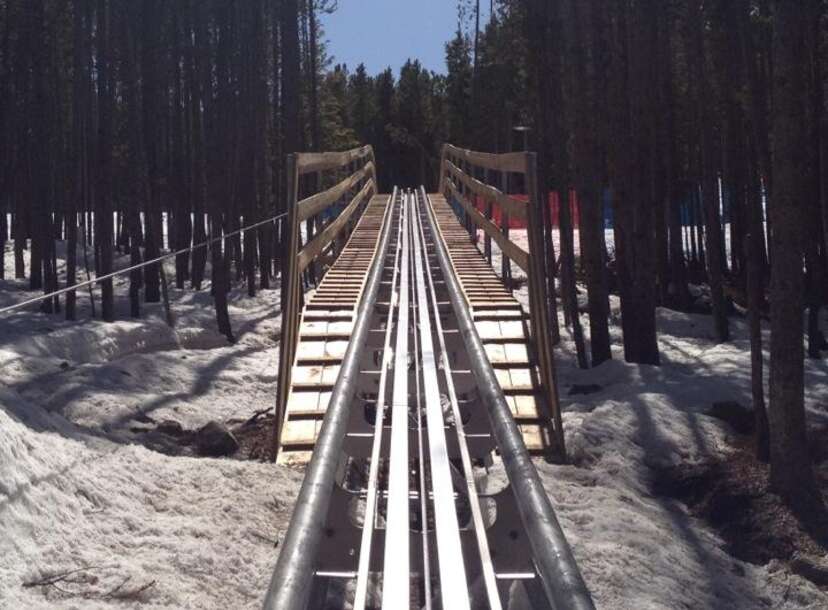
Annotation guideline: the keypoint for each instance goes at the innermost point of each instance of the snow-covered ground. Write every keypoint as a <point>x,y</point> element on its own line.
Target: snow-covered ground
<point>637,550</point>
<point>78,490</point>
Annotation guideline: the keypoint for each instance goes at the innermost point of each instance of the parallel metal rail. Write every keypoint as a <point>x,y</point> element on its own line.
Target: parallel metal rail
<point>394,512</point>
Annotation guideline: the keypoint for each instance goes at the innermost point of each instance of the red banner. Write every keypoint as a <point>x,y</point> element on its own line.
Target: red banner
<point>554,208</point>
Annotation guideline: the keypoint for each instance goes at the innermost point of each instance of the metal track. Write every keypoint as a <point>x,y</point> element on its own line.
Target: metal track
<point>408,523</point>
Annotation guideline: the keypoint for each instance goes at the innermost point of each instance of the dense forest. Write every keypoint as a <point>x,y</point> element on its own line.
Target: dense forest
<point>140,126</point>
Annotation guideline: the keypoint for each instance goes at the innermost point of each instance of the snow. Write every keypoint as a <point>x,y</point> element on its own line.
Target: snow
<point>78,489</point>
<point>195,528</point>
<point>637,550</point>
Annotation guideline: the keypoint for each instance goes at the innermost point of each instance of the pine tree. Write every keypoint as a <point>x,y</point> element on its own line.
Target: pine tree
<point>791,471</point>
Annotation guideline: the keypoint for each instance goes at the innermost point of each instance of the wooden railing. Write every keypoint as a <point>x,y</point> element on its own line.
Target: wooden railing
<point>355,190</point>
<point>463,178</point>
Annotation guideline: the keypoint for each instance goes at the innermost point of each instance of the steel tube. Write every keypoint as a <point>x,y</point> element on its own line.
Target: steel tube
<point>562,581</point>
<point>290,585</point>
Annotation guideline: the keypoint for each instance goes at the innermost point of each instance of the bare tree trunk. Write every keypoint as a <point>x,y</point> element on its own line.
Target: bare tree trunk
<point>313,55</point>
<point>180,163</point>
<point>103,216</point>
<point>632,73</point>
<point>540,24</point>
<point>289,29</point>
<point>791,471</point>
<point>196,49</point>
<point>710,189</point>
<point>150,71</point>
<point>814,258</point>
<point>588,78</point>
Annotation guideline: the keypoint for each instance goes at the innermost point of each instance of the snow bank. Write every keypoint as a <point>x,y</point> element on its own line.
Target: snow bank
<point>197,529</point>
<point>637,550</point>
<point>77,490</point>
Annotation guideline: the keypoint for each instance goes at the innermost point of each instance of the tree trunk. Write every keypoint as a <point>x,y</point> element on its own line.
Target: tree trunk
<point>539,28</point>
<point>313,76</point>
<point>103,215</point>
<point>791,471</point>
<point>150,71</point>
<point>289,29</point>
<point>196,47</point>
<point>710,187</point>
<point>587,26</point>
<point>634,44</point>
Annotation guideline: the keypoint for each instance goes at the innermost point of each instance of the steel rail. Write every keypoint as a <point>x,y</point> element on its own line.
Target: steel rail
<point>454,588</point>
<point>426,551</point>
<point>396,580</point>
<point>423,488</point>
<point>154,261</point>
<point>361,595</point>
<point>562,581</point>
<point>490,581</point>
<point>290,586</point>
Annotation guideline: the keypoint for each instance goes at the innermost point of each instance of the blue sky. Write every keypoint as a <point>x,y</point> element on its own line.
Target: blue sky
<point>382,33</point>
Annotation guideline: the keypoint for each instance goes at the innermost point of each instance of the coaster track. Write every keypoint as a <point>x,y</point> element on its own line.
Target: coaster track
<point>398,508</point>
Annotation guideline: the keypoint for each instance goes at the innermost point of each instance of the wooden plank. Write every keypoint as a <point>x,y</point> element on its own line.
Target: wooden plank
<point>308,163</point>
<point>510,249</point>
<point>330,232</point>
<point>316,204</point>
<point>325,332</point>
<point>509,205</point>
<point>506,162</point>
<point>500,322</point>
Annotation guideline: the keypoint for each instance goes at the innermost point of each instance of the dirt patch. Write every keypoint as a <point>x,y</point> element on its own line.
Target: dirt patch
<point>733,495</point>
<point>254,437</point>
<point>168,437</point>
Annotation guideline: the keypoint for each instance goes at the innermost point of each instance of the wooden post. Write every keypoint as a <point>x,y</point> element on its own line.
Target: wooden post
<point>291,289</point>
<point>487,240</point>
<point>538,309</point>
<point>165,296</point>
<point>442,187</point>
<point>471,197</point>
<point>313,223</point>
<point>505,264</point>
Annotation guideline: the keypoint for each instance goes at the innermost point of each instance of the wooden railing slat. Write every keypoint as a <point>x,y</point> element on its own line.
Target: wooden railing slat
<point>509,248</point>
<point>308,163</point>
<point>506,162</point>
<point>513,207</point>
<point>329,233</point>
<point>318,203</point>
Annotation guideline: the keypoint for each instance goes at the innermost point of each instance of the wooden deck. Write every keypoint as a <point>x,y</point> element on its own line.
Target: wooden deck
<point>328,319</point>
<point>502,326</point>
<point>325,328</point>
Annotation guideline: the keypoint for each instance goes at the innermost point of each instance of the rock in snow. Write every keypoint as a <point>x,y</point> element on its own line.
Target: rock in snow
<point>214,439</point>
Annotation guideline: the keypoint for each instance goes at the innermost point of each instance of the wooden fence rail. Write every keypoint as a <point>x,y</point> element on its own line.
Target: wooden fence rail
<point>463,175</point>
<point>356,189</point>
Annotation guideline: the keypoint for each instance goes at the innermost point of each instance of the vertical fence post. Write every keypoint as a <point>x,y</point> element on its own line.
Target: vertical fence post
<point>487,239</point>
<point>315,223</point>
<point>165,295</point>
<point>538,298</point>
<point>471,197</point>
<point>505,263</point>
<point>290,299</point>
<point>442,186</point>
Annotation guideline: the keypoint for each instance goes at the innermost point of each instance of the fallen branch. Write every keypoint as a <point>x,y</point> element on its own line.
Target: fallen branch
<point>62,576</point>
<point>256,416</point>
<point>129,593</point>
<point>275,543</point>
<point>117,593</point>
